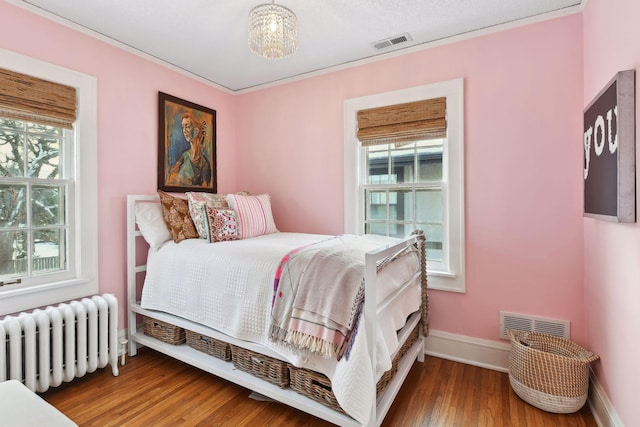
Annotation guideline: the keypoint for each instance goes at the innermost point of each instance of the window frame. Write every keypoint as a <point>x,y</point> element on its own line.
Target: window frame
<point>451,275</point>
<point>82,210</point>
<point>413,186</point>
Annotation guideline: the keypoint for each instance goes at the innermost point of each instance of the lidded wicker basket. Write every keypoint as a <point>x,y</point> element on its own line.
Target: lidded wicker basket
<point>549,372</point>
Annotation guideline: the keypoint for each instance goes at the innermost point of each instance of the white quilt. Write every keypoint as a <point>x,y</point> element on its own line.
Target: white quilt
<point>228,286</point>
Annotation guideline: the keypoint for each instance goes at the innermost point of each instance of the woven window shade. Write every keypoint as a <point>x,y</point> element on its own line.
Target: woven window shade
<point>412,121</point>
<point>28,98</point>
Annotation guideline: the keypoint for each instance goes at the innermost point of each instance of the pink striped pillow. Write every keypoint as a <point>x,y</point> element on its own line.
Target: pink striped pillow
<point>253,214</point>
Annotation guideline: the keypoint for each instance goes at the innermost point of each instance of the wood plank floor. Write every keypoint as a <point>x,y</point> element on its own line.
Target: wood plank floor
<point>155,390</point>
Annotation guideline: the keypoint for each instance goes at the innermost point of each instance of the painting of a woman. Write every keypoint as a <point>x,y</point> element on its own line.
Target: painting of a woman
<point>188,146</point>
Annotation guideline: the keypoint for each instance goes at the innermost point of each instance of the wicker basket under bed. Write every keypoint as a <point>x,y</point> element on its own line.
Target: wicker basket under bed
<point>208,345</point>
<point>165,332</point>
<point>317,386</point>
<point>273,370</point>
<point>413,337</point>
<point>549,372</point>
<point>313,385</point>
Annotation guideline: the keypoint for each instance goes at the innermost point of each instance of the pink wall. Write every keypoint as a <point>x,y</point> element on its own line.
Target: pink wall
<point>523,112</point>
<point>524,96</point>
<point>127,121</point>
<point>612,251</point>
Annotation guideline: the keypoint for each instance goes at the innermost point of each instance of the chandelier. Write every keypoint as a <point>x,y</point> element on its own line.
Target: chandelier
<point>272,31</point>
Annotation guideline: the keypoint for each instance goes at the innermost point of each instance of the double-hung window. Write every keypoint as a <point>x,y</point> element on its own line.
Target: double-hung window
<point>48,184</point>
<point>404,171</point>
<point>403,191</point>
<point>36,186</point>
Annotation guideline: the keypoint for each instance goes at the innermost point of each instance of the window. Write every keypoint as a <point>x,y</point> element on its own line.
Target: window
<point>403,191</point>
<point>393,187</point>
<point>48,187</point>
<point>35,184</point>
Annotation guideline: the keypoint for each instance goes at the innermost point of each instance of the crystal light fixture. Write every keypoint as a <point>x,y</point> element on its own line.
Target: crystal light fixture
<point>272,31</point>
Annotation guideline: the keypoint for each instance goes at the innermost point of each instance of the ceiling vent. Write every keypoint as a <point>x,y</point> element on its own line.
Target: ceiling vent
<point>391,41</point>
<point>521,322</point>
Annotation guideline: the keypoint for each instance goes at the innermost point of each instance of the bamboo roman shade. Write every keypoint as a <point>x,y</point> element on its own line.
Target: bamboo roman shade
<point>412,121</point>
<point>29,98</point>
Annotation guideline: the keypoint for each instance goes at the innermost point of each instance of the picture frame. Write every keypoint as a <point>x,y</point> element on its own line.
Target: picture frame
<point>609,141</point>
<point>186,146</point>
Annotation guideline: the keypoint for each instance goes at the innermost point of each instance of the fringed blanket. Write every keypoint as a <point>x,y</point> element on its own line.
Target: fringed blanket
<point>319,295</point>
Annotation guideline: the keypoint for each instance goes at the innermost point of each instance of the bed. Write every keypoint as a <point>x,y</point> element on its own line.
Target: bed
<point>211,290</point>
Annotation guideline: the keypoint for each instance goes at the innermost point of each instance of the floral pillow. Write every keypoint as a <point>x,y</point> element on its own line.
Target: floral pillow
<point>222,225</point>
<point>175,212</point>
<point>198,202</point>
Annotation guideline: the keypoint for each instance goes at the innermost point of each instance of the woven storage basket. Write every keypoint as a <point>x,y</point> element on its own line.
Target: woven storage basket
<point>313,385</point>
<point>163,331</point>
<point>317,386</point>
<point>273,370</point>
<point>388,375</point>
<point>549,372</point>
<point>413,336</point>
<point>208,345</point>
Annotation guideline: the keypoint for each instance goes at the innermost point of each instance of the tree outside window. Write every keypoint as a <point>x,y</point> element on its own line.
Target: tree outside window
<point>33,227</point>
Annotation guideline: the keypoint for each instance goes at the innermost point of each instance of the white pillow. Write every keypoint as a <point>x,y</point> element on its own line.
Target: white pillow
<point>151,224</point>
<point>253,214</point>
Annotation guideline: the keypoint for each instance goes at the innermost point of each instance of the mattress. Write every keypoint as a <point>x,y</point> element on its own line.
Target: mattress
<point>228,286</point>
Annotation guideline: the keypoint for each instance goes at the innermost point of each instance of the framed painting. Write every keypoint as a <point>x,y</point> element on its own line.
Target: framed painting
<point>186,146</point>
<point>609,141</point>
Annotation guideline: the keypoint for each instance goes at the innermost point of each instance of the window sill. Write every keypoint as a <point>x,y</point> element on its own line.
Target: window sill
<point>29,297</point>
<point>446,281</point>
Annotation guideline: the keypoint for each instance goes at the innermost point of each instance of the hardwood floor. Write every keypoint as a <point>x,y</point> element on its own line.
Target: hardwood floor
<point>155,390</point>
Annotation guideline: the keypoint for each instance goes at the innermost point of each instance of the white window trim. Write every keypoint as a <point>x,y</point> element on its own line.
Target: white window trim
<point>85,163</point>
<point>452,278</point>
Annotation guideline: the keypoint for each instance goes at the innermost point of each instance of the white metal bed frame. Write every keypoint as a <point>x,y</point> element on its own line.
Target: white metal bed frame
<point>227,371</point>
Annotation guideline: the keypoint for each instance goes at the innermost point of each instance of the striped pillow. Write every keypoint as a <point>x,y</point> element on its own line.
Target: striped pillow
<point>253,214</point>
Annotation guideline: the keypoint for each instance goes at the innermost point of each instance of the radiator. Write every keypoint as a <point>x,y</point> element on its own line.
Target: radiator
<point>45,347</point>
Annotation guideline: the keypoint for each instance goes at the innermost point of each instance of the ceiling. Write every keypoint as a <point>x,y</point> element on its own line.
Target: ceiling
<point>208,38</point>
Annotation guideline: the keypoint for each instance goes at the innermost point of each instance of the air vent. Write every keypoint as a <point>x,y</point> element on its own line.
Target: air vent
<point>522,322</point>
<point>392,41</point>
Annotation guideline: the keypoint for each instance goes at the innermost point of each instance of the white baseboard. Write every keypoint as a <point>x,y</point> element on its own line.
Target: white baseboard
<point>472,351</point>
<point>495,355</point>
<point>601,407</point>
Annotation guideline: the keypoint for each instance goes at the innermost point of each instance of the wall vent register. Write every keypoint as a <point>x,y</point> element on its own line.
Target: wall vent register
<point>543,325</point>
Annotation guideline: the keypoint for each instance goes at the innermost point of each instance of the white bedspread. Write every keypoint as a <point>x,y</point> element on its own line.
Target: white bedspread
<point>228,286</point>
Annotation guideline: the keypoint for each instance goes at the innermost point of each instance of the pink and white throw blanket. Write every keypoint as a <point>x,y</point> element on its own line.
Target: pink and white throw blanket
<point>319,294</point>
